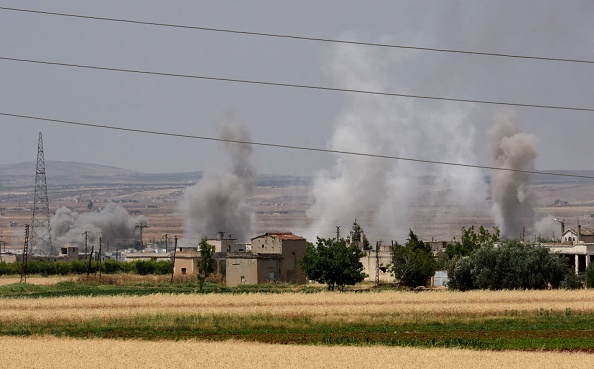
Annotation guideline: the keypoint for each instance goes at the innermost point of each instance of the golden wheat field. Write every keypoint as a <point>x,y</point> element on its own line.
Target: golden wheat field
<point>51,352</point>
<point>388,305</point>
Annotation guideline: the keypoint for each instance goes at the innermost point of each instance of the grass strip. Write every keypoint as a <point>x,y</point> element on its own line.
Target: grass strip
<point>69,288</point>
<point>573,332</point>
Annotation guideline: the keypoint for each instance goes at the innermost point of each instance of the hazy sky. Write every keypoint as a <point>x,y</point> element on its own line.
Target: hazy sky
<point>564,139</point>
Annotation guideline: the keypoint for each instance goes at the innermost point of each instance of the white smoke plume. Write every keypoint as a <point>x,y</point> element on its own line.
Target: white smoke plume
<point>218,202</point>
<point>514,202</point>
<point>376,191</point>
<point>547,228</point>
<point>113,223</point>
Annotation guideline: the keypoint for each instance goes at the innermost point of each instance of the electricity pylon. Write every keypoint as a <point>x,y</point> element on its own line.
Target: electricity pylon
<point>40,237</point>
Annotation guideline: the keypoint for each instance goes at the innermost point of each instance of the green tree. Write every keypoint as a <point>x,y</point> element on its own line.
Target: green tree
<point>334,263</point>
<point>207,264</point>
<point>412,263</point>
<point>508,265</point>
<point>471,241</point>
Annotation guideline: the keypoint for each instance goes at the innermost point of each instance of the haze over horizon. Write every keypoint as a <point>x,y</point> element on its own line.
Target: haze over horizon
<point>287,116</point>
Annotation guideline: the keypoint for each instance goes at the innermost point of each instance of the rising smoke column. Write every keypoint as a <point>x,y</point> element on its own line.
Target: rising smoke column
<point>218,202</point>
<point>113,223</point>
<point>378,192</point>
<point>512,149</point>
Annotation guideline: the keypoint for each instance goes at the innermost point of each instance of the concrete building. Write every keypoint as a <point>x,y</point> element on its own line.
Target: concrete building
<point>187,258</point>
<point>577,245</point>
<point>273,257</point>
<point>69,253</point>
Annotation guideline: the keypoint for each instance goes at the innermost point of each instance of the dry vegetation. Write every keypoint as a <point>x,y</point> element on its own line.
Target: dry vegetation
<point>392,307</point>
<point>49,352</point>
<point>34,280</point>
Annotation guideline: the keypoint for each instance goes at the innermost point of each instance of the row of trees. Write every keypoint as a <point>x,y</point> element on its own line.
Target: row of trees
<point>478,260</point>
<point>50,267</point>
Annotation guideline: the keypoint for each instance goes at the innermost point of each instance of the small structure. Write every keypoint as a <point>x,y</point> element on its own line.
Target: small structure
<point>147,254</point>
<point>187,258</point>
<point>69,253</point>
<point>274,257</point>
<point>378,256</point>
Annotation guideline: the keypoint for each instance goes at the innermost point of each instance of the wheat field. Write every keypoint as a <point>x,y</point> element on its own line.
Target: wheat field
<point>51,352</point>
<point>391,305</point>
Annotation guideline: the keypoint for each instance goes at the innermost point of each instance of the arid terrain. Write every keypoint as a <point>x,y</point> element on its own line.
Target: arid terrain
<point>280,202</point>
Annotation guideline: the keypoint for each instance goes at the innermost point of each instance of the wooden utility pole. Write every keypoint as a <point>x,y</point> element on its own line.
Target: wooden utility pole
<point>100,259</point>
<point>174,250</point>
<point>90,260</point>
<point>337,233</point>
<point>377,263</point>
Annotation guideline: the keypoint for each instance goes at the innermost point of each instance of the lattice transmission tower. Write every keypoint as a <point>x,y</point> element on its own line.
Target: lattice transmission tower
<point>40,235</point>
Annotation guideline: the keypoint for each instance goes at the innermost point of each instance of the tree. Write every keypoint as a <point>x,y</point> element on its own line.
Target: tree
<point>334,263</point>
<point>412,263</point>
<point>509,265</point>
<point>207,264</point>
<point>471,241</point>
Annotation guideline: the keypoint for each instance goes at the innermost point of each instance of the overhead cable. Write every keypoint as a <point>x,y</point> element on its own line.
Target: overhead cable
<point>304,38</point>
<point>292,147</point>
<point>292,85</point>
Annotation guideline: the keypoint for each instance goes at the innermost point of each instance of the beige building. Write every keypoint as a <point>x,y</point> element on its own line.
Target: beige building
<point>274,257</point>
<point>187,258</point>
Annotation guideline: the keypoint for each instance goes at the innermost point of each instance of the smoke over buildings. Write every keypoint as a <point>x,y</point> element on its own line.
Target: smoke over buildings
<point>113,223</point>
<point>378,192</point>
<point>512,149</point>
<point>218,202</point>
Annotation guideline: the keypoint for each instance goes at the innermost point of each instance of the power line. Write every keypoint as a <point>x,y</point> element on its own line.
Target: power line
<point>291,147</point>
<point>304,38</point>
<point>309,87</point>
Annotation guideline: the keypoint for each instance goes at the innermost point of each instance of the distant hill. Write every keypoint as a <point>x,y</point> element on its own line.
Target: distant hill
<point>60,173</point>
<point>75,173</point>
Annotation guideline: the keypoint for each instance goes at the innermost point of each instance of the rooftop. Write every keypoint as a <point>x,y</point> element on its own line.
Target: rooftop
<point>282,236</point>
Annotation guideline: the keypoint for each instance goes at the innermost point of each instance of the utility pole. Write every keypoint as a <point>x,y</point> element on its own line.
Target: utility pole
<point>166,238</point>
<point>174,250</point>
<point>337,233</point>
<point>86,234</point>
<point>523,233</point>
<point>90,260</point>
<point>141,226</point>
<point>377,263</point>
<point>100,259</point>
<point>25,256</point>
<point>2,245</point>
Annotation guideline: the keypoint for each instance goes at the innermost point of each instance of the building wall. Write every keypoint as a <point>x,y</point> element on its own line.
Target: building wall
<point>269,270</point>
<point>188,261</point>
<point>368,262</point>
<point>225,245</point>
<point>241,271</point>
<point>266,245</point>
<point>292,252</point>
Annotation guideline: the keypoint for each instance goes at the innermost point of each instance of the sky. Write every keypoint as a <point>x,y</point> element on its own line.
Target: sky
<point>289,116</point>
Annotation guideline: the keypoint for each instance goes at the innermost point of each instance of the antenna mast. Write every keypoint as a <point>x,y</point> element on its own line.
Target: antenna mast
<point>40,237</point>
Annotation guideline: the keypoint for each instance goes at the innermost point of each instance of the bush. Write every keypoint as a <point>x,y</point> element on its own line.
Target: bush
<point>573,281</point>
<point>509,265</point>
